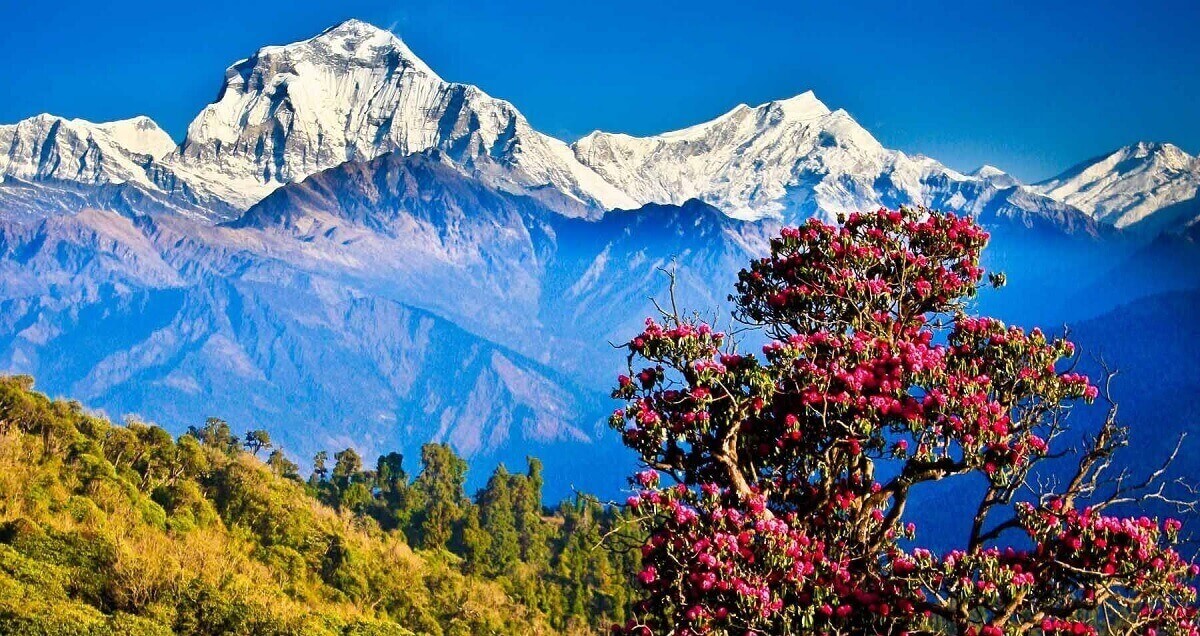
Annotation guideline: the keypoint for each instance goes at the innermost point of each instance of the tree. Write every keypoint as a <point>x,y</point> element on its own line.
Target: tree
<point>440,501</point>
<point>257,440</point>
<point>527,508</point>
<point>497,519</point>
<point>217,435</point>
<point>476,542</point>
<point>389,473</point>
<point>347,465</point>
<point>346,489</point>
<point>591,580</point>
<point>791,472</point>
<point>282,466</point>
<point>119,530</point>
<point>319,471</point>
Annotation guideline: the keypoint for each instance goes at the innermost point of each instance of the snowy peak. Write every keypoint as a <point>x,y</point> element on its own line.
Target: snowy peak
<point>994,176</point>
<point>1146,185</point>
<point>796,158</point>
<point>791,157</point>
<point>352,93</point>
<point>721,161</point>
<point>355,92</point>
<point>358,40</point>
<point>1135,158</point>
<point>1168,154</point>
<point>803,106</point>
<point>986,171</point>
<point>346,44</point>
<point>289,111</point>
<point>140,135</point>
<point>47,147</point>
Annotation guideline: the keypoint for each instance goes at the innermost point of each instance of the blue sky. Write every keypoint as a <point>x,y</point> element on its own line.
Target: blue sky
<point>1030,88</point>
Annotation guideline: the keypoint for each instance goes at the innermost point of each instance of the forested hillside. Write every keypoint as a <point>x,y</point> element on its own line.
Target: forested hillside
<point>123,529</point>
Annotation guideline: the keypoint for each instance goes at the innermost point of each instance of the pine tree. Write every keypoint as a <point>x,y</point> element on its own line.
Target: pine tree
<point>527,510</point>
<point>440,499</point>
<point>497,518</point>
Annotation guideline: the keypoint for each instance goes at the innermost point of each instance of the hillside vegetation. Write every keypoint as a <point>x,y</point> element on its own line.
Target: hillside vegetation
<point>124,529</point>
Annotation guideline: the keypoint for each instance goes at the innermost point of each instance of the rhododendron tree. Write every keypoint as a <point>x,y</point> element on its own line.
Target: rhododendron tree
<point>775,494</point>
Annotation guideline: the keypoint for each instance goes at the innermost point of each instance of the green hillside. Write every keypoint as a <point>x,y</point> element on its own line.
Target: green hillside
<point>123,529</point>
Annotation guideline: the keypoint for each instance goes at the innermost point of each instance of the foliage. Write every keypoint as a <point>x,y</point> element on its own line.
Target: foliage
<point>108,529</point>
<point>790,472</point>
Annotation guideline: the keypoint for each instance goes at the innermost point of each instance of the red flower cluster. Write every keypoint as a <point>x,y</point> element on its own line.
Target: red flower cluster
<point>696,568</point>
<point>777,522</point>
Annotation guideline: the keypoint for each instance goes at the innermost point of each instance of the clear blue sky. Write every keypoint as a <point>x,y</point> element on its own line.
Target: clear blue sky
<point>1030,88</point>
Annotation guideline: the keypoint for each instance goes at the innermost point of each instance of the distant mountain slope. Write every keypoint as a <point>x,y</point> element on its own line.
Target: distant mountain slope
<point>1154,345</point>
<point>333,313</point>
<point>1145,187</point>
<point>420,229</point>
<point>607,276</point>
<point>182,321</point>
<point>414,227</point>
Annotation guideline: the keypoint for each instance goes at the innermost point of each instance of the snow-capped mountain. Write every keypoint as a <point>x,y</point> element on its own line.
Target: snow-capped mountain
<point>1150,186</point>
<point>352,93</point>
<point>741,162</point>
<point>46,147</point>
<point>52,165</point>
<point>355,92</point>
<point>995,176</point>
<point>793,158</point>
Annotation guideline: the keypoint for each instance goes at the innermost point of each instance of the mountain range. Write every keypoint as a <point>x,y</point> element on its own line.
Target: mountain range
<point>347,249</point>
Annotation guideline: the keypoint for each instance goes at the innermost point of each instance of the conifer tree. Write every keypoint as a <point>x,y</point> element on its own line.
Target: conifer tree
<point>498,521</point>
<point>440,500</point>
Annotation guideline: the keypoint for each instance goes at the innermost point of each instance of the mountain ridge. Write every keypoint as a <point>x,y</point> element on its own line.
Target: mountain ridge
<point>1143,185</point>
<point>354,92</point>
